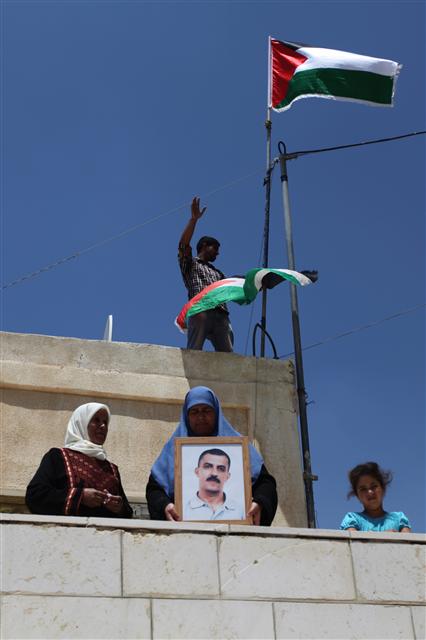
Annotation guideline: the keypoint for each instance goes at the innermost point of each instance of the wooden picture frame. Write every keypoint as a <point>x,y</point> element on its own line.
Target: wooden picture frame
<point>228,473</point>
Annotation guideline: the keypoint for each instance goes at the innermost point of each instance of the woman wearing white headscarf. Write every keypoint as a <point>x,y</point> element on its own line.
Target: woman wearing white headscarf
<point>78,480</point>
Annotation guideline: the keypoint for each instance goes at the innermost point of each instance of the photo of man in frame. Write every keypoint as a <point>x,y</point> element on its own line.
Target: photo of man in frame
<point>210,501</point>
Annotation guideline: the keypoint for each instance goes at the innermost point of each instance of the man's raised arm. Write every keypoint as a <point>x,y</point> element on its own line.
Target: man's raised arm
<point>196,214</point>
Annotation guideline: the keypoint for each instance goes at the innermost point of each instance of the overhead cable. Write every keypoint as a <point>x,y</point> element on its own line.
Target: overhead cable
<point>252,305</point>
<point>357,329</point>
<point>289,156</point>
<point>296,154</point>
<point>126,232</point>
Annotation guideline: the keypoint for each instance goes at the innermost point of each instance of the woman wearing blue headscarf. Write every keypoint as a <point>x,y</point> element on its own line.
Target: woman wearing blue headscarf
<point>202,416</point>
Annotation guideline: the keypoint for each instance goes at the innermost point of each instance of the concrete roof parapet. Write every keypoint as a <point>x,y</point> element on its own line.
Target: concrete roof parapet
<point>212,527</point>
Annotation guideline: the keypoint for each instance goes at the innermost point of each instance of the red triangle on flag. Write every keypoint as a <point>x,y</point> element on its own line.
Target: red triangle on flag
<point>284,62</point>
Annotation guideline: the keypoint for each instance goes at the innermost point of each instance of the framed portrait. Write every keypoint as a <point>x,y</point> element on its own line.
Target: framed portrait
<point>212,479</point>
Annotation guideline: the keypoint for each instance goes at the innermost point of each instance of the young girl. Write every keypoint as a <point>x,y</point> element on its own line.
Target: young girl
<point>369,482</point>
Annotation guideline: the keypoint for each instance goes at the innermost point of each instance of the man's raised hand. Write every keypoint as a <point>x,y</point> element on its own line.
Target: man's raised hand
<point>196,212</point>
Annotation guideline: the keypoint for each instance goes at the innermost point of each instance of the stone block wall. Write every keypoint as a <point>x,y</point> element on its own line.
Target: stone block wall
<point>104,578</point>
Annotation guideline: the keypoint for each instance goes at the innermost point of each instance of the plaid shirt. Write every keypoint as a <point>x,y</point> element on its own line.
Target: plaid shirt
<point>197,274</point>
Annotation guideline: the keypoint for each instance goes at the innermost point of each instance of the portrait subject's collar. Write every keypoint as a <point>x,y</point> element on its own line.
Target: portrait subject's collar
<point>197,503</point>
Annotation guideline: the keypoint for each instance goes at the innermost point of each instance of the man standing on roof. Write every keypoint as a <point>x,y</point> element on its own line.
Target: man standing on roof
<point>198,273</point>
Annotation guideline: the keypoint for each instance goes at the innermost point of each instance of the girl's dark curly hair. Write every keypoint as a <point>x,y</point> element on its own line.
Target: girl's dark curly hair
<point>368,469</point>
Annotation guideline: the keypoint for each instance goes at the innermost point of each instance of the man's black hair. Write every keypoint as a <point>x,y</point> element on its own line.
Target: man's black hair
<point>206,240</point>
<point>215,452</point>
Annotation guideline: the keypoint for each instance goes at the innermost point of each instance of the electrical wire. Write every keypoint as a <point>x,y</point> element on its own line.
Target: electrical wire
<point>252,305</point>
<point>357,329</point>
<point>296,154</point>
<point>124,233</point>
<point>289,156</point>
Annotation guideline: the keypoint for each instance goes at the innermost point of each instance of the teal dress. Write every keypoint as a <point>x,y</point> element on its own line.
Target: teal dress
<point>392,520</point>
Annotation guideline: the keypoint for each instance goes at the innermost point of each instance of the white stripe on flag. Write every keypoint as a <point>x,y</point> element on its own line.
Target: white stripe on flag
<point>333,59</point>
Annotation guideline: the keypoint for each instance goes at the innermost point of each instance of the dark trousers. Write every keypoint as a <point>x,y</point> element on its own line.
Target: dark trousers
<point>213,325</point>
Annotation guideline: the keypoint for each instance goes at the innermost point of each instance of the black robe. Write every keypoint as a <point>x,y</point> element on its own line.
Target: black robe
<point>50,491</point>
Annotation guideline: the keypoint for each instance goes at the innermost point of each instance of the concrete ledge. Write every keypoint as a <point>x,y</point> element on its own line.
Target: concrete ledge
<point>383,536</point>
<point>146,359</point>
<point>107,578</point>
<point>215,527</point>
<point>29,518</point>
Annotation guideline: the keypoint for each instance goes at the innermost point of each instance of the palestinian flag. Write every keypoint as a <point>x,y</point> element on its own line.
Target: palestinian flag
<point>300,71</point>
<point>239,290</point>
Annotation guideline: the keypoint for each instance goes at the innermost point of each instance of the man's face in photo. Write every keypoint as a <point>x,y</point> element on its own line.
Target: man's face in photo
<point>212,472</point>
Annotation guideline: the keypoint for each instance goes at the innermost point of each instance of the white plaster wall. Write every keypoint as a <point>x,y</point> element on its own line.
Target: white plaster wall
<point>104,578</point>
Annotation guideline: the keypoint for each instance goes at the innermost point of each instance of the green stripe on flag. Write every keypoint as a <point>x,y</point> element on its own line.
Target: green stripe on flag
<point>249,287</point>
<point>341,83</point>
<point>251,290</point>
<point>216,297</point>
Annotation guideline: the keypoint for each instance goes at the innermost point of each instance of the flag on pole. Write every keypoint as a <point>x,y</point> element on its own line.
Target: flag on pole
<point>300,71</point>
<point>239,290</point>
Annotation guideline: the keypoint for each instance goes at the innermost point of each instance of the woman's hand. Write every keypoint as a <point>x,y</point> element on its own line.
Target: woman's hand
<point>171,513</point>
<point>113,503</point>
<point>92,498</point>
<point>255,513</point>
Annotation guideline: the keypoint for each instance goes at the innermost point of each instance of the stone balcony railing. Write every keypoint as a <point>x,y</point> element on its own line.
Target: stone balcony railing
<point>104,578</point>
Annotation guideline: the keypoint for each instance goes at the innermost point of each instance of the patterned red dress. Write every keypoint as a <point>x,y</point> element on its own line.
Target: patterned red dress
<point>57,486</point>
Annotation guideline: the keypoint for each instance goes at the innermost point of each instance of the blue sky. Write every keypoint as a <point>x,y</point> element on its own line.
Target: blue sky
<point>115,113</point>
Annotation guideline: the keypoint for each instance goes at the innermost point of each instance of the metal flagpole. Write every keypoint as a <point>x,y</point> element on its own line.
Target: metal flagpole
<point>267,184</point>
<point>301,393</point>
